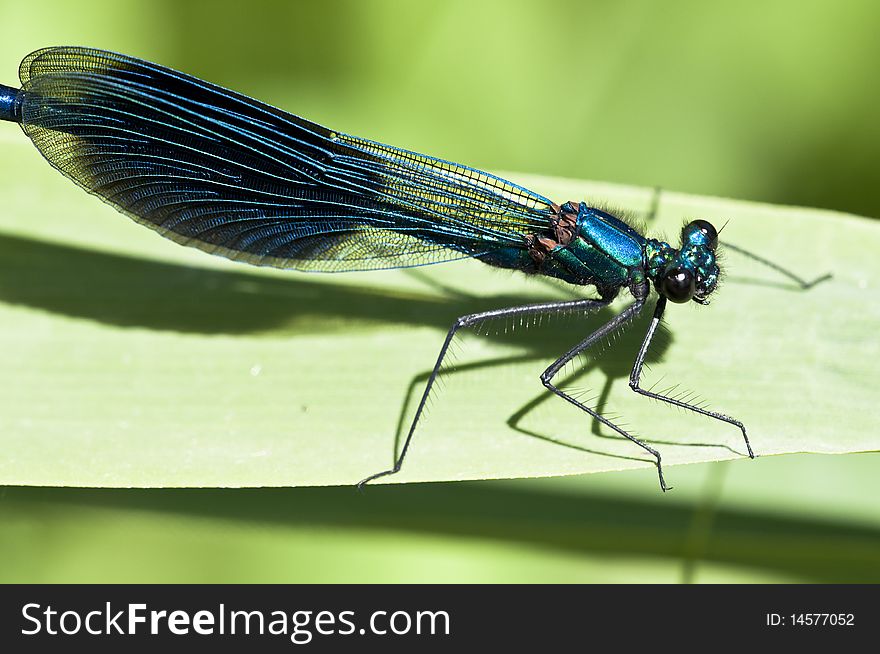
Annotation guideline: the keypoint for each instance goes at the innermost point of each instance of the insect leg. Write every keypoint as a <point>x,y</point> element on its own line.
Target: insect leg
<point>637,373</point>
<point>804,284</point>
<point>608,328</point>
<point>467,321</point>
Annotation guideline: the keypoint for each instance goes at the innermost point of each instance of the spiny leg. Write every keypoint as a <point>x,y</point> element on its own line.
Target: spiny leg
<point>804,284</point>
<point>608,328</point>
<point>637,373</point>
<point>467,321</point>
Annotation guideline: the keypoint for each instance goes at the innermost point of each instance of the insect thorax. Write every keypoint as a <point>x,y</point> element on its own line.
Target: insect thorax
<point>587,246</point>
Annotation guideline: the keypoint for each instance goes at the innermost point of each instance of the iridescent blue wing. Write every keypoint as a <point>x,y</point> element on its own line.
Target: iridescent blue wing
<point>214,169</point>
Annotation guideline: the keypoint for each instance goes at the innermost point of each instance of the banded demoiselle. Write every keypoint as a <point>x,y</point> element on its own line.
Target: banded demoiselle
<point>214,169</point>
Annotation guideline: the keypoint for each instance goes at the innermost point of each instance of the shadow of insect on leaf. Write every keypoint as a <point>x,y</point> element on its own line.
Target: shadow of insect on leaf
<point>127,291</point>
<point>133,292</point>
<point>545,342</point>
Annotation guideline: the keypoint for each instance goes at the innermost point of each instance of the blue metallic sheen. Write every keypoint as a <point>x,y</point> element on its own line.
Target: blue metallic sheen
<point>515,258</point>
<point>8,109</point>
<point>213,169</point>
<point>611,235</point>
<point>210,168</point>
<point>604,253</point>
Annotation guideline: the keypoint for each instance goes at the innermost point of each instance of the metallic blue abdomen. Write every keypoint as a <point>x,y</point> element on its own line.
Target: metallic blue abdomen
<point>8,109</point>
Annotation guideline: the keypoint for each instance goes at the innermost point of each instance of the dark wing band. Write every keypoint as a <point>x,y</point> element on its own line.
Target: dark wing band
<point>214,169</point>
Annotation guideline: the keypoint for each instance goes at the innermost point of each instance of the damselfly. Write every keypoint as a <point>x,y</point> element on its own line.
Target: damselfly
<point>216,170</point>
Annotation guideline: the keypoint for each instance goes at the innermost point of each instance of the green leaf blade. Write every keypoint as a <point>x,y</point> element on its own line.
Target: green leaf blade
<point>133,362</point>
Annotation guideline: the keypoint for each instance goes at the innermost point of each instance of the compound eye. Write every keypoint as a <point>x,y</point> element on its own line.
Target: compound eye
<point>678,285</point>
<point>708,230</point>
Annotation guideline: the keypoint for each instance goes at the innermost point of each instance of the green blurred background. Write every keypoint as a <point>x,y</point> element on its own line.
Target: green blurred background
<point>770,101</point>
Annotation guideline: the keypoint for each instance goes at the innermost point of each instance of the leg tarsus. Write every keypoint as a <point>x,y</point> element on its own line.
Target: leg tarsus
<point>467,321</point>
<point>556,366</point>
<point>596,416</point>
<point>746,439</point>
<point>636,374</point>
<point>363,482</point>
<point>663,485</point>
